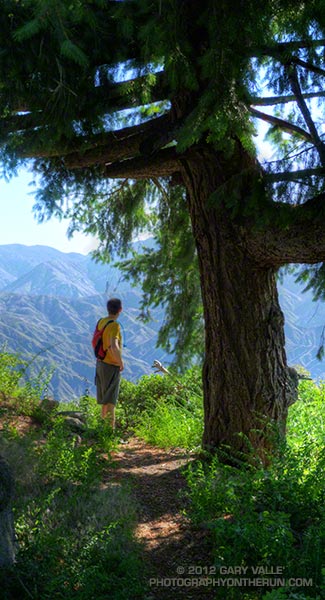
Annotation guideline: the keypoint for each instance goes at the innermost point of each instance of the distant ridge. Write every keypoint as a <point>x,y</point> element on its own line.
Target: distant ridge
<point>304,325</point>
<point>51,300</point>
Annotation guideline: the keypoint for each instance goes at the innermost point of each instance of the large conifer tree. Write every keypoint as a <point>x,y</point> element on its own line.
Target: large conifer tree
<point>161,97</point>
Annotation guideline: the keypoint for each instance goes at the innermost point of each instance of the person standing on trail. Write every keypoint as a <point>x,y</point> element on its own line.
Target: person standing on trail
<point>109,367</point>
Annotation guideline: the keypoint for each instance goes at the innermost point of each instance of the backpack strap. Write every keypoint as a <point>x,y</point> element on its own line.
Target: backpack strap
<point>108,322</point>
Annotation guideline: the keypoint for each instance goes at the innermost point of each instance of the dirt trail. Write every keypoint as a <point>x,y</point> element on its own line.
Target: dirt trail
<point>175,553</point>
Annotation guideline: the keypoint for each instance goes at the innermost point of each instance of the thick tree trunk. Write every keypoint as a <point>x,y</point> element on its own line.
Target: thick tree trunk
<point>245,375</point>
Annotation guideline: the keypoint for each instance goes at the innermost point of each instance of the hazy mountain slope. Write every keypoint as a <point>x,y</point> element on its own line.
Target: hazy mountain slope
<point>16,259</point>
<point>304,326</point>
<point>54,279</point>
<point>50,302</point>
<point>49,311</point>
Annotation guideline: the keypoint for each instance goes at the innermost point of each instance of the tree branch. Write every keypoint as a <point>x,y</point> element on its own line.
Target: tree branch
<point>109,96</point>
<point>120,92</point>
<point>17,123</point>
<point>300,240</point>
<point>117,145</point>
<point>82,151</point>
<point>294,175</point>
<point>308,66</point>
<point>164,163</point>
<point>284,125</point>
<point>295,86</point>
<point>284,47</point>
<point>273,100</point>
<point>303,243</point>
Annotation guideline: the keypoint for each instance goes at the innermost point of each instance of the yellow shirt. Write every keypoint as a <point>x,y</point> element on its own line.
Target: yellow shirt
<point>113,330</point>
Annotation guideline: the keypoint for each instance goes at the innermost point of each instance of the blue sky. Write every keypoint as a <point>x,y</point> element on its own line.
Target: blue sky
<point>18,224</point>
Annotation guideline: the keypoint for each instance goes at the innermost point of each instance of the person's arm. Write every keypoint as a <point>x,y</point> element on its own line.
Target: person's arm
<point>116,351</point>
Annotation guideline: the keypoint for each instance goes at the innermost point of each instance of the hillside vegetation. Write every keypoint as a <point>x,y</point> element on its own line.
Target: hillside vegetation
<point>75,530</point>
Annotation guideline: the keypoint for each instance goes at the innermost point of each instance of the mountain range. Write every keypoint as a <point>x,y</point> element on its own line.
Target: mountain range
<point>49,305</point>
<point>50,302</point>
<point>304,326</point>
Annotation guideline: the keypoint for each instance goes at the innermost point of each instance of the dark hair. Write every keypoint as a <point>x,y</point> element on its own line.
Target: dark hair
<point>113,306</point>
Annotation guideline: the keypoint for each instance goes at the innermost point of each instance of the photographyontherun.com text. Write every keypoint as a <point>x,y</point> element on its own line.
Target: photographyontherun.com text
<point>230,576</point>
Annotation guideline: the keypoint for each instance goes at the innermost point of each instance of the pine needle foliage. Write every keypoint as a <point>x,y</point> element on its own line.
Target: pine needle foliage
<point>64,65</point>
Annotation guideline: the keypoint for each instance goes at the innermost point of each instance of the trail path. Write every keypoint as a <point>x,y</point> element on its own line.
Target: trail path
<point>172,548</point>
<point>174,552</point>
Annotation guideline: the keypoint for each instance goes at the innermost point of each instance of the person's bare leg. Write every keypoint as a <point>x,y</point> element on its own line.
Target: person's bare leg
<point>108,410</point>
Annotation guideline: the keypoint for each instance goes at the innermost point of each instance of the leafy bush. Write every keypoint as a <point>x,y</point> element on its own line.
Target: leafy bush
<point>63,459</point>
<point>11,370</point>
<point>75,535</point>
<point>306,422</point>
<point>74,532</point>
<point>167,425</point>
<point>21,391</point>
<point>273,516</point>
<point>78,544</point>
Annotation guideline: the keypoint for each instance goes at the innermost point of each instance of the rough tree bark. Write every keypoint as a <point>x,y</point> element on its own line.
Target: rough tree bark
<point>247,383</point>
<point>245,376</point>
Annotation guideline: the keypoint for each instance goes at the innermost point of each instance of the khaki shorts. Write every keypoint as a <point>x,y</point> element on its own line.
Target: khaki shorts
<point>107,382</point>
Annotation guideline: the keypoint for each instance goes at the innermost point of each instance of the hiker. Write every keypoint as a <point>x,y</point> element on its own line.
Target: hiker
<point>110,365</point>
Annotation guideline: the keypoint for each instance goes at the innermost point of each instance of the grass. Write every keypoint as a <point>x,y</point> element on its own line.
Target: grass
<point>165,411</point>
<point>75,537</point>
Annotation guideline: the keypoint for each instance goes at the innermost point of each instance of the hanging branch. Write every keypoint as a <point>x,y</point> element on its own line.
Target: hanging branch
<point>273,100</point>
<point>284,47</point>
<point>308,66</point>
<point>295,86</point>
<point>294,175</point>
<point>281,123</point>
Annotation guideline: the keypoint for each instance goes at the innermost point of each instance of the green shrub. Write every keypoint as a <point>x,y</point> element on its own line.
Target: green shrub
<point>134,398</point>
<point>273,516</point>
<point>75,533</point>
<point>78,544</point>
<point>306,420</point>
<point>11,370</point>
<point>89,407</point>
<point>63,459</point>
<point>23,392</point>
